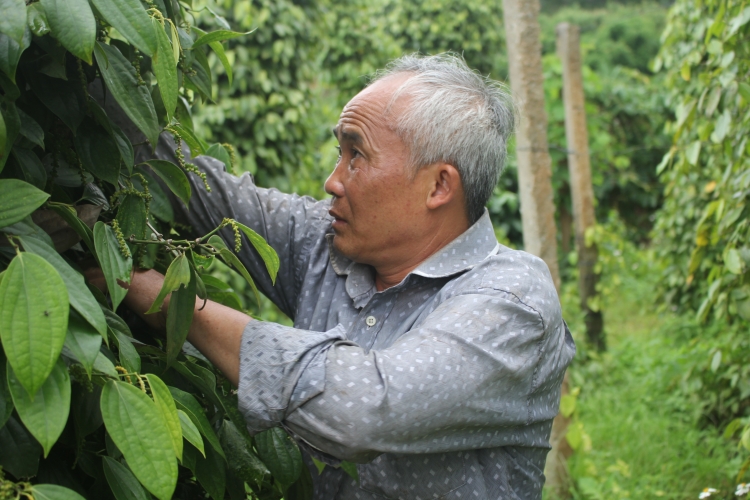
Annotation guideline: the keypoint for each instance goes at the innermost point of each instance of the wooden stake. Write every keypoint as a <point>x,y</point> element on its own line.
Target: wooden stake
<point>581,190</point>
<point>534,164</point>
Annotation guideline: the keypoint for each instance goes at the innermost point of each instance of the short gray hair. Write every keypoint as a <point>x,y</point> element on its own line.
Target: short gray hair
<point>457,116</point>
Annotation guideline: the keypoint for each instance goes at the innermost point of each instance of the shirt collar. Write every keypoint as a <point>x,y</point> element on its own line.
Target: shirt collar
<point>463,253</point>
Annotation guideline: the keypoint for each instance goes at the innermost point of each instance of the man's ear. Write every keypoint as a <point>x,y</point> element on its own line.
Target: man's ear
<point>445,186</point>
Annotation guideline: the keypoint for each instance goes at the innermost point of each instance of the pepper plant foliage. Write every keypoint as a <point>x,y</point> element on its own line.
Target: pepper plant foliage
<point>702,230</point>
<point>91,404</point>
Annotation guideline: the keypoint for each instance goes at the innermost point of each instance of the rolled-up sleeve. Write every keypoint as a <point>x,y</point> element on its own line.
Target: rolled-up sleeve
<point>481,370</point>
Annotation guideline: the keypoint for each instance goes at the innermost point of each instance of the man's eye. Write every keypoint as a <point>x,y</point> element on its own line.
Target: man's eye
<point>338,148</point>
<point>355,153</point>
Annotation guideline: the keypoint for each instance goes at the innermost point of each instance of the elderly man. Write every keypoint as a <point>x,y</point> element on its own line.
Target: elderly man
<point>422,349</point>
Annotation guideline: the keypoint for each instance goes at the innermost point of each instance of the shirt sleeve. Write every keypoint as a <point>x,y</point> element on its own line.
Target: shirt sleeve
<point>483,370</point>
<point>289,223</point>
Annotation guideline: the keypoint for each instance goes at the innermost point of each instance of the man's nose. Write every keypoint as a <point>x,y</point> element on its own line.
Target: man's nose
<point>333,185</point>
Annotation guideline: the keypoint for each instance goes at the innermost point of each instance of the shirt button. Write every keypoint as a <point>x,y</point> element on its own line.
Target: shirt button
<point>371,321</point>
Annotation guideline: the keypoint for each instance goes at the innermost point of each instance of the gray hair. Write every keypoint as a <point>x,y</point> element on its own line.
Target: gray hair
<point>457,116</point>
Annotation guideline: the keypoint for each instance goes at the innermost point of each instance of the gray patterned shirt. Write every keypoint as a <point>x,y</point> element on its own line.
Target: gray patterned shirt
<point>444,386</point>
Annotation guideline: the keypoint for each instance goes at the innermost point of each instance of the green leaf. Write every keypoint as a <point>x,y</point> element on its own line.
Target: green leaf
<point>31,166</point>
<point>132,216</point>
<point>174,177</point>
<point>241,459</point>
<point>744,90</point>
<point>190,432</point>
<point>131,20</point>
<point>197,146</point>
<point>120,78</point>
<point>121,140</point>
<point>73,24</point>
<point>33,318</point>
<point>13,20</point>
<point>129,358</point>
<point>137,428</point>
<point>115,266</point>
<point>180,314</point>
<point>46,413</point>
<point>218,49</point>
<point>36,19</point>
<point>302,489</point>
<point>232,260</point>
<point>121,480</point>
<point>98,152</point>
<point>201,78</point>
<point>6,400</point>
<point>211,473</point>
<point>79,295</point>
<point>318,465</point>
<point>268,254</point>
<point>61,97</point>
<point>3,137</point>
<point>203,380</point>
<point>178,274</point>
<point>220,153</point>
<point>165,69</point>
<point>187,403</point>
<point>733,261</point>
<point>10,53</point>
<point>70,216</point>
<point>722,127</point>
<point>83,341</point>
<point>716,361</point>
<point>350,469</point>
<point>17,200</point>
<point>217,36</point>
<point>280,454</point>
<point>166,405</point>
<point>102,364</point>
<point>19,451</point>
<point>30,129</point>
<point>692,152</point>
<point>54,492</point>
<point>12,127</point>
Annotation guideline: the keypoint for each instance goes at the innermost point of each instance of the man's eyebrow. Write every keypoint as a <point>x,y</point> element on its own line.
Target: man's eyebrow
<point>353,137</point>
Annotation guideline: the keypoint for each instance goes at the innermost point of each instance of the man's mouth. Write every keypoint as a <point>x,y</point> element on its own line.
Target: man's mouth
<point>338,220</point>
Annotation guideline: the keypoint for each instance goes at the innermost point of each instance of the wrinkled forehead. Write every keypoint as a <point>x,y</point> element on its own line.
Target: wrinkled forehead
<point>384,96</point>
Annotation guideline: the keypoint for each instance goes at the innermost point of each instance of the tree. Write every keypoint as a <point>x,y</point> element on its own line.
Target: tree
<point>84,85</point>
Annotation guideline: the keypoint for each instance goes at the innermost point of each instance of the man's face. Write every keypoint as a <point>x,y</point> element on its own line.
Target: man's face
<point>375,201</point>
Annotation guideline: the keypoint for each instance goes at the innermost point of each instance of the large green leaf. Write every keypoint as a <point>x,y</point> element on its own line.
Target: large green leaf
<point>217,36</point>
<point>121,480</point>
<point>280,454</point>
<point>61,97</point>
<point>178,274</point>
<point>79,296</point>
<point>30,166</point>
<point>98,151</point>
<point>218,49</point>
<point>196,145</point>
<point>268,254</point>
<point>203,380</point>
<point>115,266</point>
<point>83,341</point>
<point>129,358</point>
<point>17,200</point>
<point>10,53</point>
<point>165,69</point>
<point>120,77</point>
<point>166,405</point>
<point>13,20</point>
<point>190,431</point>
<point>132,216</point>
<point>54,492</point>
<point>33,318</point>
<point>19,451</point>
<point>123,143</point>
<point>30,129</point>
<point>179,317</point>
<point>187,403</point>
<point>73,24</point>
<point>70,216</point>
<point>219,152</point>
<point>200,78</point>
<point>131,20</point>
<point>6,400</point>
<point>36,18</point>
<point>211,473</point>
<point>241,459</point>
<point>137,428</point>
<point>174,177</point>
<point>46,413</point>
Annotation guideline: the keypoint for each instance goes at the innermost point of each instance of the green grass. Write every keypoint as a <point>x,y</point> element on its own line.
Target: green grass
<point>642,440</point>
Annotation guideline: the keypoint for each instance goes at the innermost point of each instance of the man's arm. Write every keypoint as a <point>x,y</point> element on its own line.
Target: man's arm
<point>289,223</point>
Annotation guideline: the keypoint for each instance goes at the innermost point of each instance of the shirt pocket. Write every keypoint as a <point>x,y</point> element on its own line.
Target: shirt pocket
<point>414,477</point>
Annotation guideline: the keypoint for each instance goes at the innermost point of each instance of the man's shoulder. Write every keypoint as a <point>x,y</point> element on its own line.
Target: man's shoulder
<point>514,273</point>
